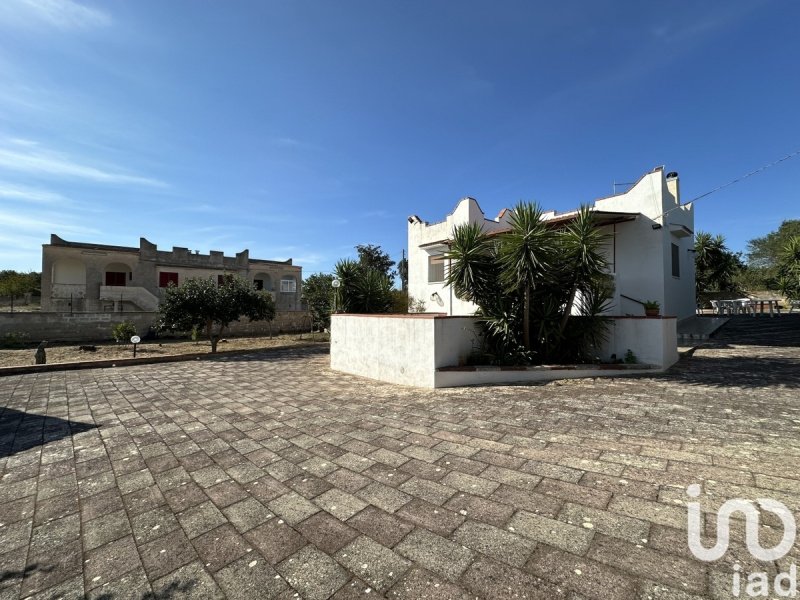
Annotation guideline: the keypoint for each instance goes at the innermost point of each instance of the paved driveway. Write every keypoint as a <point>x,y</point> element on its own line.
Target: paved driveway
<point>270,476</point>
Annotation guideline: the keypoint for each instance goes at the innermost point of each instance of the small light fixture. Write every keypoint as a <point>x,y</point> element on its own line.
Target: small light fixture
<point>436,297</point>
<point>656,226</point>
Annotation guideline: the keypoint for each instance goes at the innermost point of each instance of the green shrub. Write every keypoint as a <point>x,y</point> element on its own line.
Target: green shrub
<point>123,332</point>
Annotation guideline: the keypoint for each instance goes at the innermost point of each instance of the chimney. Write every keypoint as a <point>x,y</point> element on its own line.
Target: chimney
<point>673,185</point>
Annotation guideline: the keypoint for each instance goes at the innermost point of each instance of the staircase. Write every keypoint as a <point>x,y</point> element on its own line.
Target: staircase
<point>139,296</point>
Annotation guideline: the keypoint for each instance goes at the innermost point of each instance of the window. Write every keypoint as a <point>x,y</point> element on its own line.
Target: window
<point>289,285</point>
<point>165,278</point>
<point>436,268</point>
<point>676,260</point>
<point>115,278</point>
<point>258,283</point>
<point>223,279</point>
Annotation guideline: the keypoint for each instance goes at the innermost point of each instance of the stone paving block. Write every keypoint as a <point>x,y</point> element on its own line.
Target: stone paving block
<point>327,533</point>
<point>419,584</point>
<point>220,546</point>
<point>189,582</point>
<point>555,533</point>
<point>373,563</point>
<point>52,534</point>
<point>497,543</point>
<point>109,562</point>
<point>384,528</point>
<point>480,509</point>
<point>489,579</point>
<point>430,516</point>
<point>16,535</point>
<point>134,585</point>
<point>574,493</point>
<point>533,502</point>
<point>340,504</point>
<point>247,514</point>
<point>275,540</point>
<point>608,523</point>
<point>644,562</point>
<point>420,468</point>
<point>387,475</point>
<point>293,507</point>
<point>226,493</point>
<point>250,577</point>
<point>185,496</point>
<point>518,479</point>
<point>152,524</point>
<point>435,553</point>
<point>201,518</point>
<point>313,573</point>
<point>645,510</point>
<point>309,486</point>
<point>471,484</point>
<point>587,577</point>
<point>383,496</point>
<point>347,480</point>
<point>427,490</point>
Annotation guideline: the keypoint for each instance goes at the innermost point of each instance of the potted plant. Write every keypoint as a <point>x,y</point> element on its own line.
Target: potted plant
<point>651,308</point>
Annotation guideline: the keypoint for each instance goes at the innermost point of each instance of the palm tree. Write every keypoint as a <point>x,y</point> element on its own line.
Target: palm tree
<point>582,241</point>
<point>525,255</point>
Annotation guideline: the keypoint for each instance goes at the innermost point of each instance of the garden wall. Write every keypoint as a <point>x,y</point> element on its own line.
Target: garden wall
<point>96,326</point>
<point>431,350</point>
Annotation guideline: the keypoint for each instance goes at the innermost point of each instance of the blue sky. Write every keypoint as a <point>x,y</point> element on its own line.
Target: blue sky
<point>300,129</point>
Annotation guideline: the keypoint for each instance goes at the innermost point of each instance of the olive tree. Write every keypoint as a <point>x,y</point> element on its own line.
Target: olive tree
<point>211,308</point>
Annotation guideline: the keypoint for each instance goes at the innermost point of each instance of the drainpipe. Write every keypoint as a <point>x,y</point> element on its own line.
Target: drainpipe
<point>449,265</point>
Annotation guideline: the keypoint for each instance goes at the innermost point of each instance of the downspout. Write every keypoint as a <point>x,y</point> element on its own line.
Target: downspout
<point>450,287</point>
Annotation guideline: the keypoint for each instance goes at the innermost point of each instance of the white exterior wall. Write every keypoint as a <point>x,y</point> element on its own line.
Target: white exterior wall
<point>408,350</point>
<point>399,348</point>
<point>420,235</point>
<point>643,255</point>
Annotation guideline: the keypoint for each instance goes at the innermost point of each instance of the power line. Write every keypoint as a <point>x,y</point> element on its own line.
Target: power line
<point>737,180</point>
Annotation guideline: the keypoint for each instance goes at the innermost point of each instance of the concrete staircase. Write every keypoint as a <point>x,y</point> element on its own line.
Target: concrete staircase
<point>693,330</point>
<point>144,300</point>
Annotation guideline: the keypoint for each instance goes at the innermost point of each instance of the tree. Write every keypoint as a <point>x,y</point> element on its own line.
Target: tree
<point>402,272</point>
<point>201,303</point>
<point>14,284</point>
<point>318,294</point>
<point>764,256</point>
<point>766,251</point>
<point>716,267</point>
<point>789,268</point>
<point>374,258</point>
<point>525,256</point>
<point>362,289</point>
<point>529,281</point>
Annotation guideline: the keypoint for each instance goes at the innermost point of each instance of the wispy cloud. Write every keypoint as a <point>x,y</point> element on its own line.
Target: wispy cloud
<point>32,195</point>
<point>42,224</point>
<point>26,156</point>
<point>59,14</point>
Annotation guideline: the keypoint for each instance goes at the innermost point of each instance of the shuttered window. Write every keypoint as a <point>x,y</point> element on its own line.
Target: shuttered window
<point>436,268</point>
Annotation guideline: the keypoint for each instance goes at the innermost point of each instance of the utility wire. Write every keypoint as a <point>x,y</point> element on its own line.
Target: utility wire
<point>737,180</point>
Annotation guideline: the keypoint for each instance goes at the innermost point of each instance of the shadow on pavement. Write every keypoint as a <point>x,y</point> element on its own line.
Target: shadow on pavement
<point>20,431</point>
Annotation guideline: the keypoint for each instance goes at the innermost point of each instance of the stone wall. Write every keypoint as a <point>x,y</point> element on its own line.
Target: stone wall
<point>55,326</point>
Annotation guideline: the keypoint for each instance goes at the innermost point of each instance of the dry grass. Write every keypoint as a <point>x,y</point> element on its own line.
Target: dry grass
<point>70,352</point>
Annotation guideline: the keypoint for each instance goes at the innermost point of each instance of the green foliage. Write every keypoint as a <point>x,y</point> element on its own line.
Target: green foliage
<point>402,272</point>
<point>415,305</point>
<point>123,332</point>
<point>716,267</point>
<point>373,258</point>
<point>362,289</point>
<point>529,281</point>
<point>318,295</point>
<point>651,305</point>
<point>203,304</point>
<point>630,358</point>
<point>766,251</point>
<point>14,284</point>
<point>789,268</point>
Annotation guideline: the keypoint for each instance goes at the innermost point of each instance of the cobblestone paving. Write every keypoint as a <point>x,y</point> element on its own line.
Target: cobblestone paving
<point>269,476</point>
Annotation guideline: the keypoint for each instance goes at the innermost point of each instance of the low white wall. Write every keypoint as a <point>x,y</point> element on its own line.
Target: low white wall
<point>408,349</point>
<point>654,340</point>
<point>399,348</point>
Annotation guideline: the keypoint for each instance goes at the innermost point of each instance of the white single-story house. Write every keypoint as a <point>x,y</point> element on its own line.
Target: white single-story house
<point>650,256</point>
<point>650,253</point>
